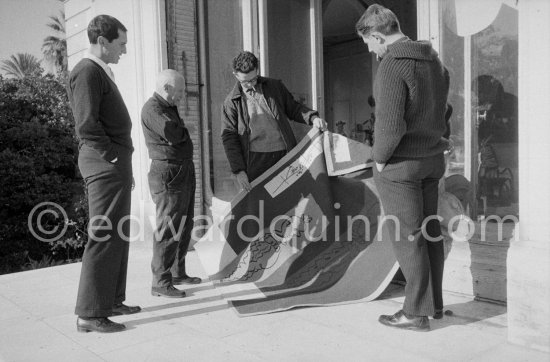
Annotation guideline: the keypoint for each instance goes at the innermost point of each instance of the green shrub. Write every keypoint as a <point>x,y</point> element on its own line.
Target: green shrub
<point>38,163</point>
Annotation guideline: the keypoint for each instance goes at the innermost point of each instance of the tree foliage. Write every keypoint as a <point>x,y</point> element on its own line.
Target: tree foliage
<point>38,158</point>
<point>21,65</point>
<point>54,47</point>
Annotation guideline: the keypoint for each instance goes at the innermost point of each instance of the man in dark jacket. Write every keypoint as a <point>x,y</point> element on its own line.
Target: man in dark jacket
<point>410,89</point>
<point>255,121</point>
<point>171,182</point>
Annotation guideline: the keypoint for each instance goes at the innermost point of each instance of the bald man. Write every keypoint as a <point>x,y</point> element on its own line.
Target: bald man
<point>172,184</point>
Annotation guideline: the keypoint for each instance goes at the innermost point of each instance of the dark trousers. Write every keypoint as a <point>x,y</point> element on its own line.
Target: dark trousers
<point>172,188</point>
<point>260,162</point>
<point>408,190</point>
<point>105,259</point>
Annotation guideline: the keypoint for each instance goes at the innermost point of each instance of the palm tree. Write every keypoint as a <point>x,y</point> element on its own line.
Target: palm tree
<point>54,47</point>
<point>21,65</point>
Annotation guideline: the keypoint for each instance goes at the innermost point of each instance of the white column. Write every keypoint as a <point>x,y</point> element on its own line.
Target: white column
<point>427,20</point>
<point>250,25</point>
<point>150,58</point>
<point>263,38</point>
<point>528,267</point>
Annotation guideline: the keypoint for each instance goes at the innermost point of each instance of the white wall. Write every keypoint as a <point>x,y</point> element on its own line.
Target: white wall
<point>529,256</point>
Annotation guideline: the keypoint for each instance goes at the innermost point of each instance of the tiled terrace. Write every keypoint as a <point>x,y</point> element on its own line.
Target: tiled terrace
<point>37,324</point>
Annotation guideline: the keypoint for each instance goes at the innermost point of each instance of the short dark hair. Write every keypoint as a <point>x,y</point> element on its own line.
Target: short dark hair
<point>105,26</point>
<point>245,62</point>
<point>377,18</point>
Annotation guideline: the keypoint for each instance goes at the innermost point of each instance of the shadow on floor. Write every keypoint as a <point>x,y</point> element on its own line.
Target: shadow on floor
<point>462,313</point>
<point>185,302</point>
<point>470,312</point>
<point>205,310</point>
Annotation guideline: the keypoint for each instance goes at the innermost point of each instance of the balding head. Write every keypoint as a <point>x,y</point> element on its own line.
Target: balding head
<point>170,86</point>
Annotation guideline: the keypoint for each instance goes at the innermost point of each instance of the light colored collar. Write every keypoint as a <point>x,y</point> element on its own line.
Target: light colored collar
<point>102,64</point>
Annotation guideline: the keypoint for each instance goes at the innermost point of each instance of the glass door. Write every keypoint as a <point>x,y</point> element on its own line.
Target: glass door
<point>224,23</point>
<point>284,34</point>
<point>290,47</point>
<point>479,45</point>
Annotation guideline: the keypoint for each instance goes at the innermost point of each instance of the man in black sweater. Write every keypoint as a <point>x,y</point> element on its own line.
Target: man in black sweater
<point>410,89</point>
<point>103,126</point>
<point>171,182</point>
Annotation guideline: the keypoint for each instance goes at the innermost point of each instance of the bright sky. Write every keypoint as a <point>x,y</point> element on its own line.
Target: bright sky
<point>23,25</point>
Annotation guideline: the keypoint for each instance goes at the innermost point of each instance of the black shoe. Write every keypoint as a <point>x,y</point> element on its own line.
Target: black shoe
<point>120,309</point>
<point>400,320</point>
<point>168,292</point>
<point>100,324</point>
<point>186,280</point>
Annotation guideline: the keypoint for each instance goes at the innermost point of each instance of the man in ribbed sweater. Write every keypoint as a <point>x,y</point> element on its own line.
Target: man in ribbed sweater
<point>410,89</point>
<point>103,125</point>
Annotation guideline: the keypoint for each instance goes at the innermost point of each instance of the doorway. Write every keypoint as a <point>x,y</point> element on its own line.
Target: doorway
<point>349,69</point>
<point>312,46</point>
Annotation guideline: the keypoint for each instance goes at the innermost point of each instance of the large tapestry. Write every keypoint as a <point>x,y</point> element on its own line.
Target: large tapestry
<point>306,234</point>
